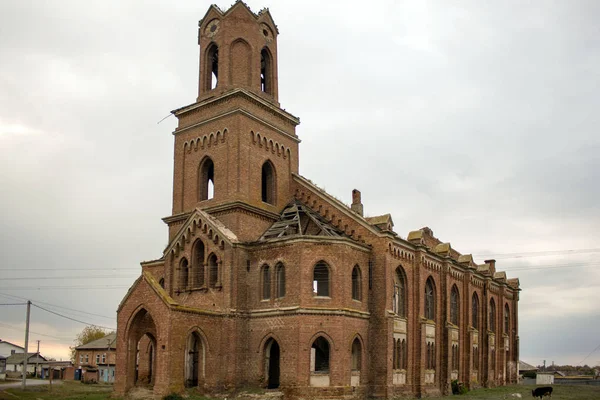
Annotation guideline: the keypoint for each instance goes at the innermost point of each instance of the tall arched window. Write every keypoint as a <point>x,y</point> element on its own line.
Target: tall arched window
<point>213,271</point>
<point>320,355</point>
<point>266,71</point>
<point>211,68</point>
<point>268,187</point>
<point>183,274</point>
<point>492,321</point>
<point>506,319</point>
<point>198,263</point>
<point>266,282</point>
<point>206,179</point>
<point>280,279</point>
<point>321,279</point>
<point>429,299</point>
<point>399,302</point>
<point>475,311</point>
<point>454,305</point>
<point>356,283</point>
<point>356,355</point>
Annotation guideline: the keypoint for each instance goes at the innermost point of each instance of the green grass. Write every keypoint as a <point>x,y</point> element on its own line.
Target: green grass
<point>69,390</point>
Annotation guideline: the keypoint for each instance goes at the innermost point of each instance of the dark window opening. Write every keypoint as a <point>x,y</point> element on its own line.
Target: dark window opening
<point>321,280</point>
<point>454,305</point>
<point>492,320</point>
<point>206,180</point>
<point>280,278</point>
<point>399,302</point>
<point>183,267</point>
<point>429,300</point>
<point>356,283</point>
<point>506,319</point>
<point>212,73</point>
<point>266,72</point>
<point>268,183</point>
<point>266,282</point>
<point>356,355</point>
<point>162,282</point>
<point>199,263</point>
<point>320,354</point>
<point>430,364</point>
<point>475,311</point>
<point>213,271</point>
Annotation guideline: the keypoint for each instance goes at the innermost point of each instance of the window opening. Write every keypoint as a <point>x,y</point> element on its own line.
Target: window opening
<point>356,355</point>
<point>212,76</point>
<point>320,351</point>
<point>321,280</point>
<point>162,282</point>
<point>492,321</point>
<point>356,283</point>
<point>266,283</point>
<point>183,283</point>
<point>206,180</point>
<point>475,311</point>
<point>506,319</point>
<point>429,300</point>
<point>280,278</point>
<point>268,183</point>
<point>213,270</point>
<point>399,303</point>
<point>454,305</point>
<point>199,263</point>
<point>265,72</point>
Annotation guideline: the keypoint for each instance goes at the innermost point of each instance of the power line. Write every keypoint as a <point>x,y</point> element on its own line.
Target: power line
<point>13,304</point>
<point>68,277</point>
<point>72,319</point>
<point>70,269</point>
<point>63,287</point>
<point>592,352</point>
<point>537,253</point>
<point>37,333</point>
<point>56,306</point>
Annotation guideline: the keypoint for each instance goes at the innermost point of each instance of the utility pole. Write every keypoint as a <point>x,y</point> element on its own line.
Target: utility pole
<point>26,344</point>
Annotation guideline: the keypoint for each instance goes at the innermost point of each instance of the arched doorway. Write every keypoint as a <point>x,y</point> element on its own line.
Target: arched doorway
<point>272,363</point>
<point>194,360</point>
<point>141,354</point>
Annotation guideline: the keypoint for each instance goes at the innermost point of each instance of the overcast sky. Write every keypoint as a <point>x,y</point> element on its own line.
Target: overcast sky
<point>478,119</point>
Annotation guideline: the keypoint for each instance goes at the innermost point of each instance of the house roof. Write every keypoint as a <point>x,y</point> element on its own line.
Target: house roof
<point>12,344</point>
<point>18,358</point>
<point>523,366</point>
<point>102,343</point>
<point>297,219</point>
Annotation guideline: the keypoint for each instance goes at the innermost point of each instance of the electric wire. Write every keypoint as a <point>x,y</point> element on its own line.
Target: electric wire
<point>592,352</point>
<point>72,319</point>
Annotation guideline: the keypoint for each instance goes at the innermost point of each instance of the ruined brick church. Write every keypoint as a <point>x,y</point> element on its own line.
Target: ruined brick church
<point>270,282</point>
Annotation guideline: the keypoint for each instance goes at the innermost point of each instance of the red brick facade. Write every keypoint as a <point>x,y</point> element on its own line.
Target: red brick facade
<point>268,281</point>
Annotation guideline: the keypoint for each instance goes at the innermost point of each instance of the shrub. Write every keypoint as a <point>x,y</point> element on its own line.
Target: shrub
<point>458,387</point>
<point>173,396</point>
<point>529,374</point>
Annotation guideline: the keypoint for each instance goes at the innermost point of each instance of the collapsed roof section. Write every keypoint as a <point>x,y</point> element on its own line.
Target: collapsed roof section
<point>297,219</point>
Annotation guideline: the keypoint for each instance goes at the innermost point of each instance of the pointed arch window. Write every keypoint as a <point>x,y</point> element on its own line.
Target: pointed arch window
<point>198,263</point>
<point>320,355</point>
<point>183,274</point>
<point>429,299</point>
<point>321,280</point>
<point>280,279</point>
<point>213,271</point>
<point>475,311</point>
<point>399,302</point>
<point>506,319</point>
<point>266,282</point>
<point>454,305</point>
<point>268,183</point>
<point>356,355</point>
<point>206,179</point>
<point>356,283</point>
<point>211,74</point>
<point>266,71</point>
<point>492,320</point>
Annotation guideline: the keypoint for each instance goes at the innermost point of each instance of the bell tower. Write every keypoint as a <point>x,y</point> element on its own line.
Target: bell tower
<point>235,148</point>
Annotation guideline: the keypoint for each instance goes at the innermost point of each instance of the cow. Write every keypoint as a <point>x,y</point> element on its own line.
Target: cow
<point>542,391</point>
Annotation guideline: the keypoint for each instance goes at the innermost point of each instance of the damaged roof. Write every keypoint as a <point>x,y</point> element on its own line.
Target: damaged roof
<point>297,219</point>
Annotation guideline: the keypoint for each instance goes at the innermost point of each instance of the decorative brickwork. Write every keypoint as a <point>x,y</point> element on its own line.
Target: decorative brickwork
<point>268,281</point>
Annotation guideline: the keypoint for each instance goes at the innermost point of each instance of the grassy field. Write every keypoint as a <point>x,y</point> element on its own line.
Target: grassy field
<point>77,391</point>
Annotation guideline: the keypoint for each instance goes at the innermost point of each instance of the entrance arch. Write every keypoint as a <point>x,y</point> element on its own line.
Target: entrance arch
<point>194,360</point>
<point>272,363</point>
<point>141,354</point>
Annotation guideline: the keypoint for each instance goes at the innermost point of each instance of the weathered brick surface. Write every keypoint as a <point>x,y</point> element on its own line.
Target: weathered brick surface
<point>216,331</point>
